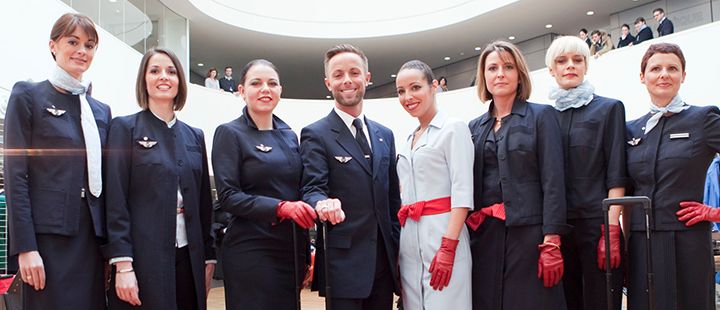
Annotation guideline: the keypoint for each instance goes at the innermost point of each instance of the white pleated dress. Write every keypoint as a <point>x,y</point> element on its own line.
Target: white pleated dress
<point>440,165</point>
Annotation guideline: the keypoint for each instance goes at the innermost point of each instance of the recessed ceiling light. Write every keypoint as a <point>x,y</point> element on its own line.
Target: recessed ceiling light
<point>548,26</point>
<point>113,1</point>
<point>370,83</point>
<point>200,64</point>
<point>589,13</point>
<point>393,75</point>
<point>447,58</point>
<point>511,38</point>
<point>477,48</point>
<point>327,97</point>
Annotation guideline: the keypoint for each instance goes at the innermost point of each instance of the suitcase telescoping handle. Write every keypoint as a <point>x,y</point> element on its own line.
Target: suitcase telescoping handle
<point>629,201</point>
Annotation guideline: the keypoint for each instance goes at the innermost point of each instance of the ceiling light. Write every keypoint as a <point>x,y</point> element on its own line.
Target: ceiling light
<point>327,97</point>
<point>511,38</point>
<point>370,83</point>
<point>200,64</point>
<point>548,26</point>
<point>393,75</point>
<point>117,11</point>
<point>113,1</point>
<point>477,48</point>
<point>589,13</point>
<point>447,58</point>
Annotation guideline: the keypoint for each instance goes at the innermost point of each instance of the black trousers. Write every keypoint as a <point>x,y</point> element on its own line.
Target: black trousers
<point>505,268</point>
<point>184,282</point>
<point>381,295</point>
<point>583,281</point>
<point>683,266</point>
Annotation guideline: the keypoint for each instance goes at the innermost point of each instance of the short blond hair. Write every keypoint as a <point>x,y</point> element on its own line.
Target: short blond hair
<point>524,85</point>
<point>567,44</point>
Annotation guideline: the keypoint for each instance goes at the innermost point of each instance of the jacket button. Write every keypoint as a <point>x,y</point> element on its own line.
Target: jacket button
<point>180,163</point>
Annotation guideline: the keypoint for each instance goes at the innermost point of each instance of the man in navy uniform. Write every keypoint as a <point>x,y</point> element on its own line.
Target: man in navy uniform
<point>643,31</point>
<point>226,82</point>
<point>350,179</point>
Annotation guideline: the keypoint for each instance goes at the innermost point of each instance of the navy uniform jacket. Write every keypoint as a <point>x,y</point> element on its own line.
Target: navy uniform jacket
<point>644,35</point>
<point>227,85</point>
<point>142,186</point>
<point>254,171</point>
<point>531,166</point>
<point>669,163</point>
<point>594,144</point>
<point>370,198</point>
<point>665,27</point>
<point>625,42</point>
<point>45,164</point>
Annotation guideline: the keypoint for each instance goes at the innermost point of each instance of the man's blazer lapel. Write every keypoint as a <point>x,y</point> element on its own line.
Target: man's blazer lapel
<point>347,141</point>
<point>379,146</point>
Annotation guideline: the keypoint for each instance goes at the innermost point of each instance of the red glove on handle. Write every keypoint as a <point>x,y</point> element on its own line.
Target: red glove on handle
<point>614,247</point>
<point>442,264</point>
<point>692,212</point>
<point>298,211</point>
<point>550,264</point>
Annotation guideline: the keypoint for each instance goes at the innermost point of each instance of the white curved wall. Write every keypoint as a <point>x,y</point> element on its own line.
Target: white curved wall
<point>25,56</point>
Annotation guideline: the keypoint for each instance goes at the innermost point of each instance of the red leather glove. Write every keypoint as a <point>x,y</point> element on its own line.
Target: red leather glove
<point>550,264</point>
<point>298,211</point>
<point>442,264</point>
<point>614,247</point>
<point>692,212</point>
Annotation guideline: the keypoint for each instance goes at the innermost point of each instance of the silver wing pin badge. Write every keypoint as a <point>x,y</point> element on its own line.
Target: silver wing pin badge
<point>55,111</point>
<point>634,141</point>
<point>263,148</point>
<point>343,159</point>
<point>147,143</point>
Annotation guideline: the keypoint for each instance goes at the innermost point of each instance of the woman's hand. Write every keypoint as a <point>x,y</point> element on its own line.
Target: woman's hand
<point>692,212</point>
<point>209,271</point>
<point>32,269</point>
<point>126,286</point>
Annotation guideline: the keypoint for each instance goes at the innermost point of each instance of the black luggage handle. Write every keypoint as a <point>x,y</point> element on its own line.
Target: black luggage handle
<point>630,201</point>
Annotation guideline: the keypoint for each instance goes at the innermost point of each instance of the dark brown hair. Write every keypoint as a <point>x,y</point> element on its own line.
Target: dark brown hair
<point>419,66</point>
<point>66,25</point>
<point>253,63</point>
<point>524,86</point>
<point>211,70</point>
<point>141,90</point>
<point>662,48</point>
<point>344,48</point>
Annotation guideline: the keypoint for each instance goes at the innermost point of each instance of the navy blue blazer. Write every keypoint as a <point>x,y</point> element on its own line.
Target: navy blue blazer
<point>370,198</point>
<point>665,27</point>
<point>670,162</point>
<point>227,85</point>
<point>531,166</point>
<point>644,35</point>
<point>45,164</point>
<point>626,42</point>
<point>142,185</point>
<point>254,171</point>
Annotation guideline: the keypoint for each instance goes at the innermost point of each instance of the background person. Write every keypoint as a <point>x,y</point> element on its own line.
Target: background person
<point>665,26</point>
<point>626,39</point>
<point>593,133</point>
<point>54,135</point>
<point>211,80</point>
<point>668,152</point>
<point>436,192</point>
<point>643,31</point>
<point>519,190</point>
<point>258,170</point>
<point>226,82</point>
<point>159,203</point>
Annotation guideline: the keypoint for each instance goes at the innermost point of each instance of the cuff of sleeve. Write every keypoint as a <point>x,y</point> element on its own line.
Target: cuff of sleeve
<point>211,261</point>
<point>557,229</point>
<point>120,259</point>
<point>618,182</point>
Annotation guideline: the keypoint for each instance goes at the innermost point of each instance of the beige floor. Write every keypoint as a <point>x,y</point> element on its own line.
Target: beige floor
<point>310,300</point>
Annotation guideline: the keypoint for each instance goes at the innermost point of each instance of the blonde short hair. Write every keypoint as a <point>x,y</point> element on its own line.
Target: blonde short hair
<point>524,86</point>
<point>566,44</point>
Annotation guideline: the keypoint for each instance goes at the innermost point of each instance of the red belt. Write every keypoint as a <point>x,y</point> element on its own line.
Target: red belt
<point>478,217</point>
<point>425,207</point>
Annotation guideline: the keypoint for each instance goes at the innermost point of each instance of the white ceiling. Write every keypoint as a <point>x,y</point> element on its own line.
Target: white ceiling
<point>299,60</point>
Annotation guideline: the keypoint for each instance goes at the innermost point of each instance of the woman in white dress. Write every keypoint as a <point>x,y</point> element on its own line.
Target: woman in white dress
<point>435,171</point>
